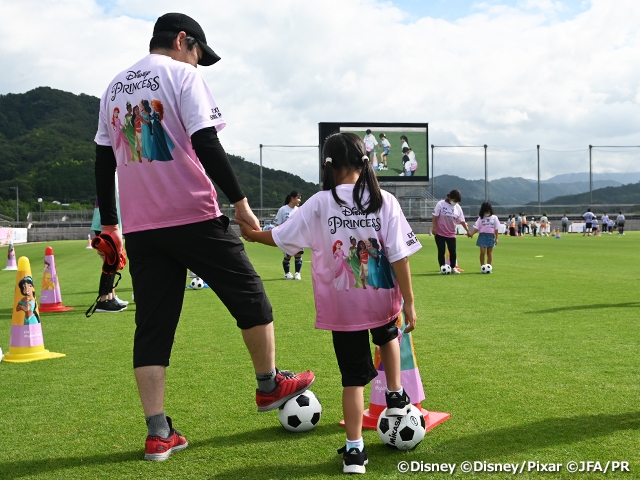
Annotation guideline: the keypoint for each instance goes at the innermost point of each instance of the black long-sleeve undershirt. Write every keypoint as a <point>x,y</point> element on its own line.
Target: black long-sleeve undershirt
<point>209,151</point>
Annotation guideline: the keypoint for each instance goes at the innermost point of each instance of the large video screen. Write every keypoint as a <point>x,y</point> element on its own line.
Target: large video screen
<point>399,152</point>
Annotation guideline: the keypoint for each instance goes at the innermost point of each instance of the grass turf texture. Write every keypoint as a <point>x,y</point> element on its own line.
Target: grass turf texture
<point>535,362</point>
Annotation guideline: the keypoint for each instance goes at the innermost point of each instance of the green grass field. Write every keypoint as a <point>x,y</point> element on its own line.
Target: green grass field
<point>536,362</point>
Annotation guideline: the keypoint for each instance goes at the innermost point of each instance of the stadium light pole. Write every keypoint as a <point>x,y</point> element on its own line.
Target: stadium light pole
<point>486,185</point>
<point>539,207</point>
<point>433,177</point>
<point>590,177</point>
<point>260,179</point>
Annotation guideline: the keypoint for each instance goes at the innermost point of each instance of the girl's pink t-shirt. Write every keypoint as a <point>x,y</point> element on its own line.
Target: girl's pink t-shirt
<point>487,224</point>
<point>337,270</point>
<point>448,217</point>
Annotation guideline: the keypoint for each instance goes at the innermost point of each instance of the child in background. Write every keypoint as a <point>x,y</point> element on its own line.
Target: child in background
<point>544,225</point>
<point>371,145</point>
<point>412,164</point>
<point>352,195</point>
<point>488,226</point>
<point>386,149</point>
<point>534,226</point>
<point>620,221</point>
<point>291,204</point>
<point>405,166</point>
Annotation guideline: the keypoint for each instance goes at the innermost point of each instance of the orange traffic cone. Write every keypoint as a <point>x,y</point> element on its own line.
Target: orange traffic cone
<point>27,342</point>
<point>89,247</point>
<point>51,298</point>
<point>411,382</point>
<point>11,258</point>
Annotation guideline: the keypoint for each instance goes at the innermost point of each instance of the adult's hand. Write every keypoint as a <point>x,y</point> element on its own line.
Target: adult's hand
<point>244,214</point>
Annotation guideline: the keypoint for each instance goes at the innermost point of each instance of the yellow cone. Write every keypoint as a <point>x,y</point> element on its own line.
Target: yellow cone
<point>27,342</point>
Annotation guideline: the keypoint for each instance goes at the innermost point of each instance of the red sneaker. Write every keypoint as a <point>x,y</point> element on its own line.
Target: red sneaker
<point>288,385</point>
<point>158,448</point>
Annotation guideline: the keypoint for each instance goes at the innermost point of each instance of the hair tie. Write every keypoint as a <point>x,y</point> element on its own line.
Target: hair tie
<point>328,159</point>
<point>365,158</point>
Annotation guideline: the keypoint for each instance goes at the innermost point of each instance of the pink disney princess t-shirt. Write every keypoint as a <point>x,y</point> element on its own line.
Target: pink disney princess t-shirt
<point>354,284</point>
<point>147,115</point>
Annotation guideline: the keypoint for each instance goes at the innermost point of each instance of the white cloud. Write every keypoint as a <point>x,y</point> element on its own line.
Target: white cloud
<point>505,76</point>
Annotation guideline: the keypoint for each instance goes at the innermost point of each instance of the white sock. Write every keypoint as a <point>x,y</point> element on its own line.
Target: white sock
<point>359,444</point>
<point>401,391</point>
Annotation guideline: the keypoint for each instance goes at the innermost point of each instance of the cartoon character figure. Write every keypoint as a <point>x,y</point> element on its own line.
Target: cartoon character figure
<point>48,279</point>
<point>28,304</point>
<point>122,148</point>
<point>353,260</point>
<point>386,277</point>
<point>363,255</point>
<point>343,278</point>
<point>162,145</point>
<point>129,131</point>
<point>147,140</point>
<point>372,278</point>
<point>136,119</point>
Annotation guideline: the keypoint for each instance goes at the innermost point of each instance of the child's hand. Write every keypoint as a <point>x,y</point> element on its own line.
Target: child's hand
<point>246,229</point>
<point>410,316</point>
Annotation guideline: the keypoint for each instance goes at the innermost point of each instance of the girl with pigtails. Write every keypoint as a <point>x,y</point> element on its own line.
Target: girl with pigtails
<point>352,206</point>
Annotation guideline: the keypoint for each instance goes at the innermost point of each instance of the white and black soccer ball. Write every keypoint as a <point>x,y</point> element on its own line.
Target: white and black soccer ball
<point>301,413</point>
<point>445,269</point>
<point>486,268</point>
<point>403,433</point>
<point>197,283</point>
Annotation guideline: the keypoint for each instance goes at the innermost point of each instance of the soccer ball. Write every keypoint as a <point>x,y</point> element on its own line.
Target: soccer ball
<point>445,269</point>
<point>301,413</point>
<point>197,283</point>
<point>486,268</point>
<point>403,433</point>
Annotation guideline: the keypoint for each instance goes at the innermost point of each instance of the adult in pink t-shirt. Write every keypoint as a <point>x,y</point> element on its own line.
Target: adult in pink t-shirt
<point>446,216</point>
<point>166,201</point>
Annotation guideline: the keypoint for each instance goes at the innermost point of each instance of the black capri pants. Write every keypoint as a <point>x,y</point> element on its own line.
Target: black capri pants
<point>353,353</point>
<point>158,262</point>
<point>451,245</point>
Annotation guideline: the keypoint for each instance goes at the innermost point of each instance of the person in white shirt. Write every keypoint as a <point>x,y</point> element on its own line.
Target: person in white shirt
<point>290,207</point>
<point>588,218</point>
<point>410,164</point>
<point>370,144</point>
<point>544,225</point>
<point>605,223</point>
<point>386,149</point>
<point>620,221</point>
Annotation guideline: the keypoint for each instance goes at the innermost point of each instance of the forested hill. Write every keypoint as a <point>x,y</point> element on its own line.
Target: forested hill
<point>47,150</point>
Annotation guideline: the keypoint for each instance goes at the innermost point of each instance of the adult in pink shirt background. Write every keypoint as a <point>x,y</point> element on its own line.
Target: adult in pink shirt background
<point>446,216</point>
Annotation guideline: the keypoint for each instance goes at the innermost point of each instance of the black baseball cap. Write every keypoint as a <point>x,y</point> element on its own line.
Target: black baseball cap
<point>179,22</point>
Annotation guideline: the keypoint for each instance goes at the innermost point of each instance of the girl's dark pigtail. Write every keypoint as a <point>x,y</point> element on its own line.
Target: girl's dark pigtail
<point>367,179</point>
<point>329,180</point>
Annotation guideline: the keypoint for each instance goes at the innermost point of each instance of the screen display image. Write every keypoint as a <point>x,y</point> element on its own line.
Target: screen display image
<point>398,152</point>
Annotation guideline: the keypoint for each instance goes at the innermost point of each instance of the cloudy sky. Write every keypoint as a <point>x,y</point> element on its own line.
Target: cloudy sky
<point>507,73</point>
